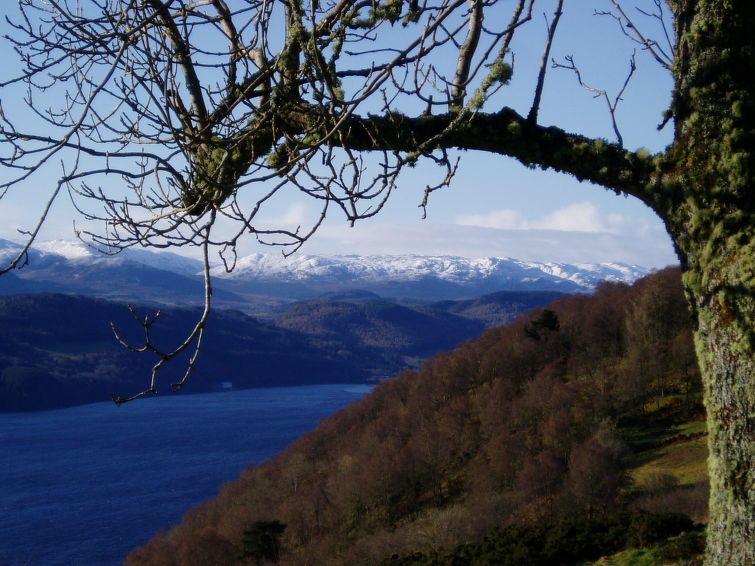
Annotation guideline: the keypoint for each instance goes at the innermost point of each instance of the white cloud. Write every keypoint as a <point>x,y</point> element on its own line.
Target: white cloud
<point>504,219</point>
<point>295,215</point>
<point>576,217</point>
<point>9,220</point>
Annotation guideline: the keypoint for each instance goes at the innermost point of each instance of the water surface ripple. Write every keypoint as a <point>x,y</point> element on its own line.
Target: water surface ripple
<point>84,485</point>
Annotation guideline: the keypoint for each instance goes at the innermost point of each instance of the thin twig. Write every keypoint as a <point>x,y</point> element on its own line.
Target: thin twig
<point>612,104</point>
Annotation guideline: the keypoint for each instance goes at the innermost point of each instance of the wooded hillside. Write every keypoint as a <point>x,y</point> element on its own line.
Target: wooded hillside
<point>551,435</point>
<point>59,350</point>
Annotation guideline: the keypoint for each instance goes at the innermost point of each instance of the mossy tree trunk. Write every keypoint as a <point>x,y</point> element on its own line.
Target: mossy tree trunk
<point>721,291</point>
<point>710,213</point>
<point>726,317</point>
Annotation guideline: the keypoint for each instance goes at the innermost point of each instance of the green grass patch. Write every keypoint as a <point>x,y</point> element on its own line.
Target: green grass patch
<point>680,550</point>
<point>631,557</point>
<point>691,427</point>
<point>685,462</point>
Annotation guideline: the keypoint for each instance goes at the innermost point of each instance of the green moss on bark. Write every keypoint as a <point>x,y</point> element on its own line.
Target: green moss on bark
<point>713,228</point>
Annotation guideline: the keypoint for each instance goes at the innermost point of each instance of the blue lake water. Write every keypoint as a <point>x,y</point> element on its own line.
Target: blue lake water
<point>84,485</point>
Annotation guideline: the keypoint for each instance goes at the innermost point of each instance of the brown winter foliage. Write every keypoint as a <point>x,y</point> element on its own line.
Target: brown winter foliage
<point>524,424</point>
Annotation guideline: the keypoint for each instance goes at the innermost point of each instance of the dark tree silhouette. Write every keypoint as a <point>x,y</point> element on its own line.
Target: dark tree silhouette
<point>262,540</point>
<point>547,320</point>
<point>207,110</point>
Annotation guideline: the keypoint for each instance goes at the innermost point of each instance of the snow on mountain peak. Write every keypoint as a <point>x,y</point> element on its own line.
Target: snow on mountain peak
<point>69,249</point>
<point>474,274</point>
<point>78,252</point>
<point>347,269</point>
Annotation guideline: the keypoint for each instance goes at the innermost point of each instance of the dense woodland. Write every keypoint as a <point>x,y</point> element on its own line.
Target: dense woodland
<point>533,444</point>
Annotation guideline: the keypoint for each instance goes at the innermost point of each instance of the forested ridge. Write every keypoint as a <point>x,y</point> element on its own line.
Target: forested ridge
<point>574,432</point>
<point>59,350</point>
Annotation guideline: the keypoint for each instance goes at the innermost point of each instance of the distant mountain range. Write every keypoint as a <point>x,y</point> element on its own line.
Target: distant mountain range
<point>316,319</point>
<point>164,277</point>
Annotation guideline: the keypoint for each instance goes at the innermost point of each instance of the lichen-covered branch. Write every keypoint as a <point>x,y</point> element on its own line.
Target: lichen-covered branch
<point>467,50</point>
<point>182,52</point>
<point>507,133</point>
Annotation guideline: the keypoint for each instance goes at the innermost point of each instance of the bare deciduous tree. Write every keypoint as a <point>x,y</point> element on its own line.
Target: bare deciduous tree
<point>205,111</point>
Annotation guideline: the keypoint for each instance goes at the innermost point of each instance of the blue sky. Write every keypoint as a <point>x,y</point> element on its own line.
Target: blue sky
<point>495,206</point>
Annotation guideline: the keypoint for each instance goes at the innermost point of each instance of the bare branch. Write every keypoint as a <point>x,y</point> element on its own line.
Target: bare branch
<point>598,93</point>
<point>182,53</point>
<point>193,339</point>
<point>532,116</point>
<point>467,51</point>
<point>659,15</point>
<point>630,30</point>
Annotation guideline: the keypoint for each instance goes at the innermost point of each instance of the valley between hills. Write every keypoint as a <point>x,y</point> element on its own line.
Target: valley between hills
<point>59,350</point>
<point>275,322</point>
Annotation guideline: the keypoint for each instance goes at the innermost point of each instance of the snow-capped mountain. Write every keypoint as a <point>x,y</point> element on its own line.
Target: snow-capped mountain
<point>76,250</point>
<point>133,275</point>
<point>64,265</point>
<point>500,273</point>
